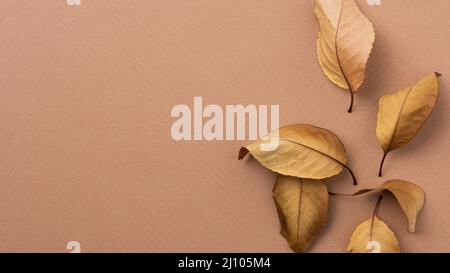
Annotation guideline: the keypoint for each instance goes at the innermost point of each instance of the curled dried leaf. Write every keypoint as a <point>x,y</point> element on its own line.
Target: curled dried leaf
<point>402,114</point>
<point>410,197</point>
<point>344,43</point>
<point>373,232</point>
<point>302,206</point>
<point>304,151</point>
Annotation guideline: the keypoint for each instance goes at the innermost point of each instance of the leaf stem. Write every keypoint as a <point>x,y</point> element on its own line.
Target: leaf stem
<point>377,206</point>
<point>355,182</point>
<point>340,194</point>
<point>380,171</point>
<point>358,193</point>
<point>350,109</point>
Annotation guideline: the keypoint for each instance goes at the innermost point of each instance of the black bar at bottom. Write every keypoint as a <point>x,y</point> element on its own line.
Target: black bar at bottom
<point>223,262</point>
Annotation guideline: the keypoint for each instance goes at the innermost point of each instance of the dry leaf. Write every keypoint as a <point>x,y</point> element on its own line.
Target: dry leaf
<point>302,206</point>
<point>304,151</point>
<point>344,43</point>
<point>373,230</point>
<point>402,114</point>
<point>410,197</point>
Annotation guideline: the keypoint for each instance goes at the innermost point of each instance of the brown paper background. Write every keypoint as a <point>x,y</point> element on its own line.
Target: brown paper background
<point>85,99</point>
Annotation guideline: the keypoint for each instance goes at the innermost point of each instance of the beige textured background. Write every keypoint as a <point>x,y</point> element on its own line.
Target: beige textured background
<point>85,100</point>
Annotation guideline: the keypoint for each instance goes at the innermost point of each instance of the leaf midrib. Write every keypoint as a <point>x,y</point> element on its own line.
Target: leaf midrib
<point>397,121</point>
<point>336,47</point>
<point>317,151</point>
<point>299,215</point>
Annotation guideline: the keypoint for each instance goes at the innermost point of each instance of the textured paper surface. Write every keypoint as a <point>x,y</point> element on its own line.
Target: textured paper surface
<point>85,99</point>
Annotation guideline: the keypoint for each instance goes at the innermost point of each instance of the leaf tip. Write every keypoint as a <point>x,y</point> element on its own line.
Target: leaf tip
<point>412,227</point>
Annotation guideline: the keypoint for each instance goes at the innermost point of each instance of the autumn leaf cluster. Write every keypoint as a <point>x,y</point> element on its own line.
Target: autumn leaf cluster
<point>308,155</point>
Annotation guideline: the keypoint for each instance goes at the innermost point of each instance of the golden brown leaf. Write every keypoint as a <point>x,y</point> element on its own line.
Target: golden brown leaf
<point>302,206</point>
<point>402,114</point>
<point>373,232</point>
<point>344,42</point>
<point>410,197</point>
<point>304,151</point>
